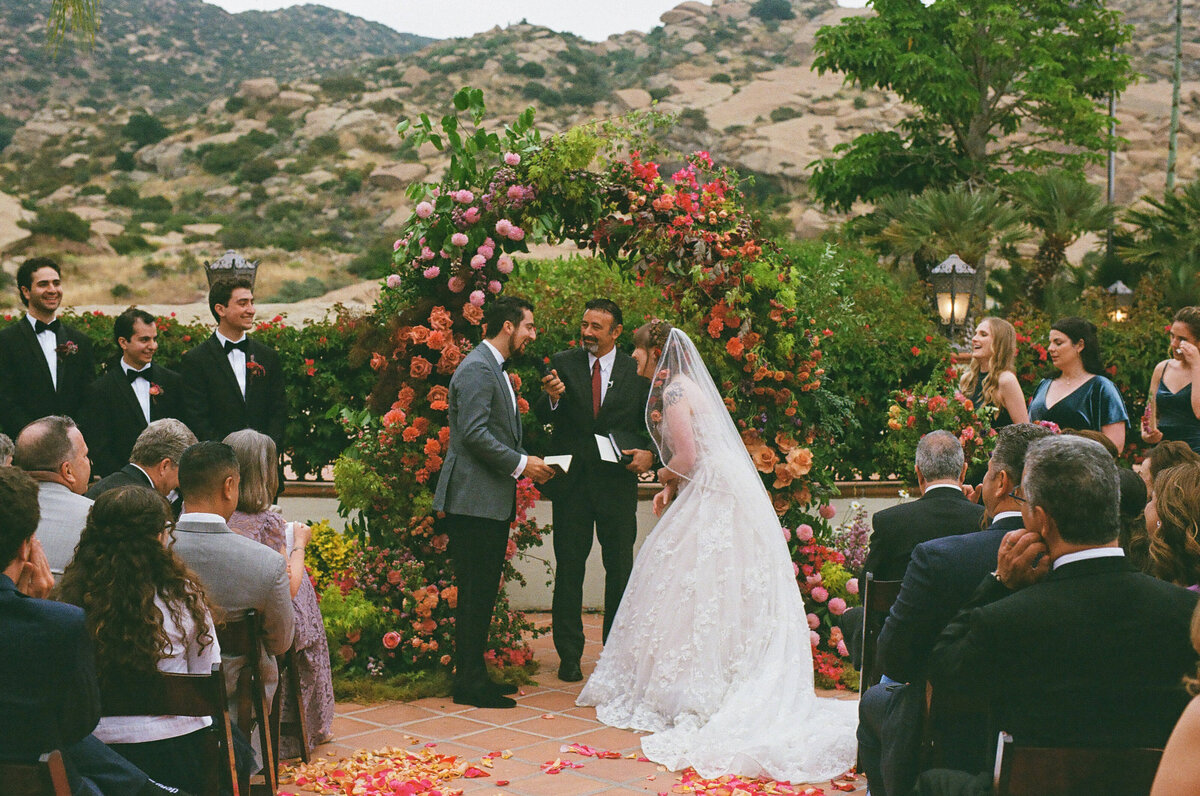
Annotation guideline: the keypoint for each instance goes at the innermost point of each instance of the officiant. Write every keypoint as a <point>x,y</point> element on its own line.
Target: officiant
<point>593,391</point>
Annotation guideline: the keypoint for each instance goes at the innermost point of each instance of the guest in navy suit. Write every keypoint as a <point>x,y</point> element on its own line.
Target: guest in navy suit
<point>153,462</point>
<point>45,365</point>
<point>134,392</point>
<point>234,382</point>
<point>941,577</point>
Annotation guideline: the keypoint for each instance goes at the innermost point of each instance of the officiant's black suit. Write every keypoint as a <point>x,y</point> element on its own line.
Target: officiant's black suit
<point>1094,655</point>
<point>214,401</point>
<point>593,492</point>
<point>113,419</point>
<point>26,389</point>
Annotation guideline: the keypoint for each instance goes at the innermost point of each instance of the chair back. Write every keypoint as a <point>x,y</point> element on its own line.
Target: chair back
<point>169,694</point>
<point>46,777</point>
<point>1030,770</point>
<point>289,672</point>
<point>241,635</point>
<point>878,596</point>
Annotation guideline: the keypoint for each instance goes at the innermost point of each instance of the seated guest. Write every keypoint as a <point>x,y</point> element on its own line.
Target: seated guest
<point>1173,526</point>
<point>1095,436</point>
<point>237,573</point>
<point>153,462</point>
<point>134,392</point>
<point>1162,456</point>
<point>941,577</point>
<point>1133,537</point>
<point>1179,770</point>
<point>53,451</point>
<point>46,649</point>
<point>255,519</point>
<point>6,450</point>
<point>145,613</point>
<point>1045,639</point>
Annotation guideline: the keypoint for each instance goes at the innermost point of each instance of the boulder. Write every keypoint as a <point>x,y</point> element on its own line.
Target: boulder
<point>732,10</point>
<point>415,75</point>
<point>694,48</point>
<point>319,121</point>
<point>10,213</point>
<point>633,99</point>
<point>360,117</point>
<point>88,213</point>
<point>397,176</point>
<point>690,11</point>
<point>109,229</point>
<point>204,230</point>
<point>70,161</point>
<point>262,88</point>
<point>318,177</point>
<point>165,157</point>
<point>291,100</point>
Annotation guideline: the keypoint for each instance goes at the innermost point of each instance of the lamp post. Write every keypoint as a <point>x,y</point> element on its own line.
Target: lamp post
<point>953,284</point>
<point>1122,301</point>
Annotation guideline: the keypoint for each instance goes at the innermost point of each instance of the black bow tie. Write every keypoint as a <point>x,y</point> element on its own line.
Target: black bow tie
<point>240,345</point>
<point>40,326</point>
<point>134,375</point>
<point>506,364</point>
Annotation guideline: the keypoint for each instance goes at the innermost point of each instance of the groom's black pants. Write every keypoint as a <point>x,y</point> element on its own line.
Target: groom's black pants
<point>477,548</point>
<point>615,523</point>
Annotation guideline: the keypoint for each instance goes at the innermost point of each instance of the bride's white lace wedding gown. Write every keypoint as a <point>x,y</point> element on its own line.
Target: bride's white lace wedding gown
<point>710,650</point>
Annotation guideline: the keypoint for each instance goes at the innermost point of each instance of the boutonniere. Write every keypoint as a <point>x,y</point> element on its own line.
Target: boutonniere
<point>255,369</point>
<point>155,390</point>
<point>516,381</point>
<point>66,349</point>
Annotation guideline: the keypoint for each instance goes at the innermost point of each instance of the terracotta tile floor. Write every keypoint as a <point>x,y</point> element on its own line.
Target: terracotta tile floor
<point>545,718</point>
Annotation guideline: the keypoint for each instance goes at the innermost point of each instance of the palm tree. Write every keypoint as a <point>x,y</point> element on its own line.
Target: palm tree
<point>1061,205</point>
<point>1166,243</point>
<point>72,15</point>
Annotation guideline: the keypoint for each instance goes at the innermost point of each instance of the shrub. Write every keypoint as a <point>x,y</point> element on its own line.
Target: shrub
<point>56,222</point>
<point>323,146</point>
<point>292,291</point>
<point>257,170</point>
<point>143,129</point>
<point>226,158</point>
<point>124,161</point>
<point>127,243</point>
<point>120,290</point>
<point>720,77</point>
<point>537,92</point>
<point>235,104</point>
<point>772,10</point>
<point>532,70</point>
<point>341,86</point>
<point>860,102</point>
<point>694,118</point>
<point>783,113</point>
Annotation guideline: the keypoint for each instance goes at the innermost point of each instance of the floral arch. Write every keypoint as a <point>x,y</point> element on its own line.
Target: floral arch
<point>686,236</point>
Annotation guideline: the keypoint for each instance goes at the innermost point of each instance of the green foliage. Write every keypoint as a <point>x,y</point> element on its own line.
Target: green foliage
<point>144,129</point>
<point>784,112</point>
<point>720,77</point>
<point>235,104</point>
<point>130,243</point>
<point>323,146</point>
<point>8,126</point>
<point>292,291</point>
<point>342,86</point>
<point>257,170</point>
<point>694,118</point>
<point>124,161</point>
<point>975,75</point>
<point>537,92</point>
<point>123,196</point>
<point>772,10</point>
<point>57,222</point>
<point>1165,243</point>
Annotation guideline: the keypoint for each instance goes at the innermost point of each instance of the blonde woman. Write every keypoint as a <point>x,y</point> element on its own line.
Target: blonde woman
<point>1173,524</point>
<point>990,379</point>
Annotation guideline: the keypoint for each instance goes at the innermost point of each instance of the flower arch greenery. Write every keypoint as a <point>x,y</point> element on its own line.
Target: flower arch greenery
<point>686,236</point>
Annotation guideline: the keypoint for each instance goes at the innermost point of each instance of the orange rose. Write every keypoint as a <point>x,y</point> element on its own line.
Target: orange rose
<point>785,442</point>
<point>420,368</point>
<point>780,503</point>
<point>764,457</point>
<point>405,397</point>
<point>410,434</point>
<point>444,436</point>
<point>450,595</point>
<point>432,446</point>
<point>437,340</point>
<point>394,417</point>
<point>451,356</point>
<point>439,398</point>
<point>378,361</point>
<point>522,406</point>
<point>439,318</point>
<point>799,461</point>
<point>783,476</point>
<point>735,347</point>
<point>472,314</point>
<point>418,334</point>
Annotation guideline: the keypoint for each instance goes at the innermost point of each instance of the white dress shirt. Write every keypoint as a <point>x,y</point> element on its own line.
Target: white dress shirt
<point>513,395</point>
<point>1091,552</point>
<point>237,360</point>
<point>48,342</point>
<point>141,387</point>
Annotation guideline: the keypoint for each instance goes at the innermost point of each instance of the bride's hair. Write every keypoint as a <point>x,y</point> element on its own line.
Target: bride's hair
<point>652,334</point>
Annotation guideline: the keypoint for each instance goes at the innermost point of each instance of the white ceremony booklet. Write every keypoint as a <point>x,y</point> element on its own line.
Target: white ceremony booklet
<point>562,462</point>
<point>608,451</point>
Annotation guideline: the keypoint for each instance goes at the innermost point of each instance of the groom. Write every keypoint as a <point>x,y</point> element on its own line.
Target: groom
<point>593,390</point>
<point>476,489</point>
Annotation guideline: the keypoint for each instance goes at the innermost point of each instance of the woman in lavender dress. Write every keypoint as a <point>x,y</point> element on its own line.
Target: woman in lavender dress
<point>256,520</point>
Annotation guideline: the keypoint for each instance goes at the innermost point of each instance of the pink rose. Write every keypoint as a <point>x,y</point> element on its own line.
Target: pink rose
<point>841,649</point>
<point>804,532</point>
<point>814,621</point>
<point>478,261</point>
<point>458,239</point>
<point>471,215</point>
<point>796,568</point>
<point>427,253</point>
<point>456,284</point>
<point>494,286</point>
<point>399,244</point>
<point>431,272</point>
<point>504,264</point>
<point>819,594</point>
<point>503,227</point>
<point>491,244</point>
<point>516,233</point>
<point>827,512</point>
<point>476,298</point>
<point>852,586</point>
<point>837,606</point>
<point>814,637</point>
<point>512,158</point>
<point>391,639</point>
<point>424,210</point>
<point>485,251</point>
<point>787,535</point>
<point>393,281</point>
<point>463,197</point>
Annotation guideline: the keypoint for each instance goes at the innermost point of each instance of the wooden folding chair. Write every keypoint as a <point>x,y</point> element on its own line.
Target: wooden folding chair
<point>241,635</point>
<point>46,777</point>
<point>951,709</point>
<point>168,694</point>
<point>297,729</point>
<point>1064,771</point>
<point>878,596</point>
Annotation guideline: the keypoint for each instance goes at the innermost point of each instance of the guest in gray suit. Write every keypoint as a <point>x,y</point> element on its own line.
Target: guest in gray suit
<point>238,573</point>
<point>53,451</point>
<point>476,491</point>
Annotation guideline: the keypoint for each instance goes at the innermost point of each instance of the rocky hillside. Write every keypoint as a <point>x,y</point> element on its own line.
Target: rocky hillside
<point>308,174</point>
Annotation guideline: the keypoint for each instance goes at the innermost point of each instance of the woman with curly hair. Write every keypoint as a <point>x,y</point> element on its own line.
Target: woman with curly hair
<point>1173,524</point>
<point>990,379</point>
<point>146,612</point>
<point>1179,770</point>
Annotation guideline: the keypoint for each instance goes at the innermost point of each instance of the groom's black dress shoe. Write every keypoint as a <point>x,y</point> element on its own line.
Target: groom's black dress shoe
<point>569,672</point>
<point>483,698</point>
<point>506,689</point>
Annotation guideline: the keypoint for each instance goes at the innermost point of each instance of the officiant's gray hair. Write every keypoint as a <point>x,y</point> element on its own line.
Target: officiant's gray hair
<point>1074,480</point>
<point>940,455</point>
<point>166,438</point>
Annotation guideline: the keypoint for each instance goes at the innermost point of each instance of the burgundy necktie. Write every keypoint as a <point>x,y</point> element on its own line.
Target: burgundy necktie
<point>596,389</point>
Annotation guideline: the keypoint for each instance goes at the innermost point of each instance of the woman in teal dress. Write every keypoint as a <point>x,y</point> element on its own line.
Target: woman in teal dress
<point>1079,397</point>
<point>1174,412</point>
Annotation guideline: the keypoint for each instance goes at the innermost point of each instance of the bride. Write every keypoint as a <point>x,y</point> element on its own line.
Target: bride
<point>710,648</point>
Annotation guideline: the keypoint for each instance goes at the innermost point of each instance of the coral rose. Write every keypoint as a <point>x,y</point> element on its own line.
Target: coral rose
<point>394,417</point>
<point>799,461</point>
<point>439,398</point>
<point>391,639</point>
<point>735,347</point>
<point>405,397</point>
<point>451,356</point>
<point>394,577</point>
<point>437,340</point>
<point>377,361</point>
<point>472,314</point>
<point>347,652</point>
<point>420,367</point>
<point>439,318</point>
<point>418,334</point>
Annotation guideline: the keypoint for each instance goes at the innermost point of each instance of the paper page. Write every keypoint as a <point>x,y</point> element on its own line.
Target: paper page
<point>607,452</point>
<point>562,462</point>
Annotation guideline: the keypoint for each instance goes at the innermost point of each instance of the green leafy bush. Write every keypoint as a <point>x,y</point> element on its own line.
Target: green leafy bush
<point>127,243</point>
<point>56,222</point>
<point>783,113</point>
<point>772,10</point>
<point>144,129</point>
<point>257,170</point>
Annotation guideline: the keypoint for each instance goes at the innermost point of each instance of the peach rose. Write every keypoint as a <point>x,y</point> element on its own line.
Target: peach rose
<point>799,461</point>
<point>764,457</point>
<point>780,503</point>
<point>785,442</point>
<point>439,318</point>
<point>783,476</point>
<point>472,314</point>
<point>418,334</point>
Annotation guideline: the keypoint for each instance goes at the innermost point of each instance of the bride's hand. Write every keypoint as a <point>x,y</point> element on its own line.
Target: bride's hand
<point>662,500</point>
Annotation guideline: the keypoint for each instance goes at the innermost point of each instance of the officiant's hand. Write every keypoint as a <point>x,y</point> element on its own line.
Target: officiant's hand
<point>553,386</point>
<point>1023,560</point>
<point>538,470</point>
<point>641,460</point>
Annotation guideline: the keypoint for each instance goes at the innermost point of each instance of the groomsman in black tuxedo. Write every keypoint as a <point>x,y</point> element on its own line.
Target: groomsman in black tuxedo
<point>593,390</point>
<point>45,365</point>
<point>132,393</point>
<point>234,382</point>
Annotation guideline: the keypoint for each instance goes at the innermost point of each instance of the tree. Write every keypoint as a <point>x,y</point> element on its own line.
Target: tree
<point>144,129</point>
<point>72,15</point>
<point>775,10</point>
<point>994,86</point>
<point>1166,243</point>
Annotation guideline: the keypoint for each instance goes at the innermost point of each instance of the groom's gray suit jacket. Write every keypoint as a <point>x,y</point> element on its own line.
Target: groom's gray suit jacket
<point>485,442</point>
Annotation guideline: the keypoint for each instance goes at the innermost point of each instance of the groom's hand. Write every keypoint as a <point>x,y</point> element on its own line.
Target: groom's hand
<point>538,470</point>
<point>641,460</point>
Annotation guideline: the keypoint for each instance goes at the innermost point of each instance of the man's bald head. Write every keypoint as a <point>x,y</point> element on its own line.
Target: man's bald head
<point>54,448</point>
